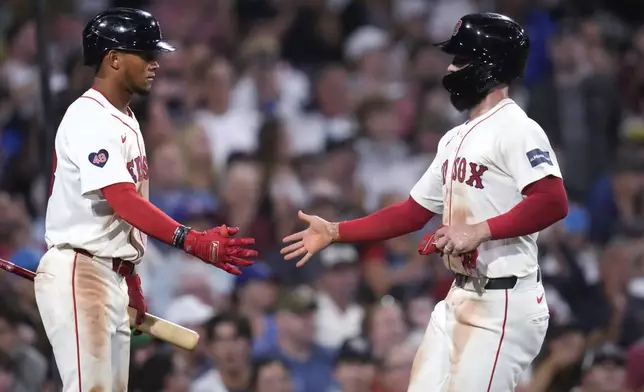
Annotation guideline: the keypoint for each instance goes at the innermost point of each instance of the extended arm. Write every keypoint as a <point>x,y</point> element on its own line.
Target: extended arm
<point>426,198</point>
<point>389,222</point>
<point>212,246</point>
<point>140,213</point>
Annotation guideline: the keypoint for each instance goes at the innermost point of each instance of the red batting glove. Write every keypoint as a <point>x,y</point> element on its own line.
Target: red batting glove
<point>215,247</point>
<point>137,301</point>
<point>428,246</point>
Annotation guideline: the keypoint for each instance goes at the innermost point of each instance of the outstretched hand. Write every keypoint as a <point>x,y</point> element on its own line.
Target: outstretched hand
<point>214,246</point>
<point>311,240</point>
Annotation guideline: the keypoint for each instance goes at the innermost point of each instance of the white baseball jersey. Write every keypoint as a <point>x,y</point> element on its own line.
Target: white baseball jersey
<point>96,145</point>
<point>479,171</point>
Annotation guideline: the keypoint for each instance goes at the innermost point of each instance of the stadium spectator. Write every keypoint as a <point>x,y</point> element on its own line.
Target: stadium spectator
<point>604,371</point>
<point>256,292</point>
<point>230,340</point>
<point>355,367</point>
<point>309,364</point>
<point>396,369</point>
<point>385,326</point>
<point>339,316</point>
<point>271,375</point>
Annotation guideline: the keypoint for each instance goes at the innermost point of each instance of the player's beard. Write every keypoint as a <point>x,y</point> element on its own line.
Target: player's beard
<point>467,87</point>
<point>144,91</point>
<point>466,102</point>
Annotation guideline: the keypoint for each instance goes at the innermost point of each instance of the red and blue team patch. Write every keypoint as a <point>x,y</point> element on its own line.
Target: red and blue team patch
<point>99,158</point>
<point>457,27</point>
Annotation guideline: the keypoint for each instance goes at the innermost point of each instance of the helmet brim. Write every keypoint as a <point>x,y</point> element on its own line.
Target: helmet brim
<point>450,46</point>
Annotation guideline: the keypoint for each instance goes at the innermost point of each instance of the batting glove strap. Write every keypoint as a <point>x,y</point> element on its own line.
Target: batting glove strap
<point>179,237</point>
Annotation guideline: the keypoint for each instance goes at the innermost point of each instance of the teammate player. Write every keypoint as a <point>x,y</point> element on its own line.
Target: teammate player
<point>496,182</point>
<point>98,216</point>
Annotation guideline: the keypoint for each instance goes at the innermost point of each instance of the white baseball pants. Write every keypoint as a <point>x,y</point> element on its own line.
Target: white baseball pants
<point>481,342</point>
<point>83,305</point>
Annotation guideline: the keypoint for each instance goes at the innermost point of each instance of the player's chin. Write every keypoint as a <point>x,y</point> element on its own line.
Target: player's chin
<point>145,88</point>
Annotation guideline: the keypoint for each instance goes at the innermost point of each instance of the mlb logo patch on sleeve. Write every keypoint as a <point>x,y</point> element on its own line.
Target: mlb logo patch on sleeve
<point>538,156</point>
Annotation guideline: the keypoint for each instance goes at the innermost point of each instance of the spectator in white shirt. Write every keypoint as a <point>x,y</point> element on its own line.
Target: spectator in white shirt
<point>330,116</point>
<point>338,316</point>
<point>383,156</point>
<point>368,49</point>
<point>192,313</point>
<point>229,128</point>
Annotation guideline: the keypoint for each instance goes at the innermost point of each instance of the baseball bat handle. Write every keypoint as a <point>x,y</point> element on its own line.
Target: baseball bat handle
<point>17,270</point>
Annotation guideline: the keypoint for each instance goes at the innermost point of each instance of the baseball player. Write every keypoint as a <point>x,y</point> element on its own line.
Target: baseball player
<point>98,215</point>
<point>496,182</point>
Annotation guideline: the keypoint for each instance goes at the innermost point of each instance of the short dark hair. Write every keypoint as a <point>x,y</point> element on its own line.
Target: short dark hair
<point>241,323</point>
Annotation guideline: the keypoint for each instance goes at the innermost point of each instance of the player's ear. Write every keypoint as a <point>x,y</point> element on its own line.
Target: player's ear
<point>113,59</point>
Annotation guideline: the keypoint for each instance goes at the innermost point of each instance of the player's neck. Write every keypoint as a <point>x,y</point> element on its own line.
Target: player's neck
<point>490,101</point>
<point>118,97</point>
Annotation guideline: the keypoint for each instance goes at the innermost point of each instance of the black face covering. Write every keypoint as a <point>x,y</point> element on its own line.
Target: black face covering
<point>471,84</point>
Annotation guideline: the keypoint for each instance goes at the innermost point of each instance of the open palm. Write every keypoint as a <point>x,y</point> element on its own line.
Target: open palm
<point>309,241</point>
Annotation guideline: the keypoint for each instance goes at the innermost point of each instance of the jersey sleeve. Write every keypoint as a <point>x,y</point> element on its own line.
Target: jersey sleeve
<point>428,191</point>
<point>526,155</point>
<point>97,150</point>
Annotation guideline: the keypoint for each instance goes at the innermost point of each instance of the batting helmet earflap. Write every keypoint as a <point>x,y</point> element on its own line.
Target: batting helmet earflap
<point>122,29</point>
<point>495,49</point>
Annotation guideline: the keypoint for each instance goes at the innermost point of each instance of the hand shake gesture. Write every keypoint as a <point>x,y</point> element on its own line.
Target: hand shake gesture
<point>311,240</point>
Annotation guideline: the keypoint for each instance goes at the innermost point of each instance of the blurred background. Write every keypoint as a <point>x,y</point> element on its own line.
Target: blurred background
<point>334,107</point>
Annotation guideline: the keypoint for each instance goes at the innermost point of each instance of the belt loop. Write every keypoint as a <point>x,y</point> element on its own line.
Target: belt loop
<point>119,263</point>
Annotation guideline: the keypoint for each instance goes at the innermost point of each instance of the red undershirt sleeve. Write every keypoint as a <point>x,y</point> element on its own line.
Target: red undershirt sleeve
<point>139,212</point>
<point>545,203</point>
<point>389,222</point>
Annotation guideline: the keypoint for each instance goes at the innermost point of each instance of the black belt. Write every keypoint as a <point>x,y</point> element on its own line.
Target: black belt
<point>494,283</point>
<point>120,266</point>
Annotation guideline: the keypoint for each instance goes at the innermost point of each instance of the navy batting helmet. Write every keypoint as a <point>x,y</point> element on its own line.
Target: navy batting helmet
<point>495,51</point>
<point>125,29</point>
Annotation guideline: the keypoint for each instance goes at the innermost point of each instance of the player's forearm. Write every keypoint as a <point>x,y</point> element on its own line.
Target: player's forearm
<point>389,222</point>
<point>545,204</point>
<point>140,213</point>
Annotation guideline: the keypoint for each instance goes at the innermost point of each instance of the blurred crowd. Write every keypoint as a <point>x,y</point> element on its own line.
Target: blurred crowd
<point>334,107</point>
